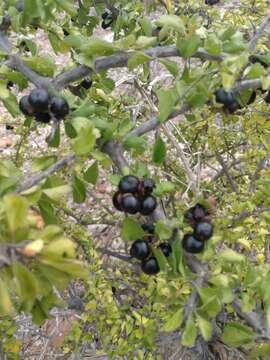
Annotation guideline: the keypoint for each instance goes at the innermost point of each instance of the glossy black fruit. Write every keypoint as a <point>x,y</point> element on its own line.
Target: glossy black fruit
<point>252,98</point>
<point>148,228</point>
<point>228,99</point>
<point>131,204</point>
<point>196,213</point>
<point>192,245</point>
<point>39,99</point>
<point>59,107</point>
<point>140,250</point>
<point>150,266</point>
<point>43,117</point>
<point>25,106</point>
<point>148,186</point>
<point>128,184</point>
<point>9,127</point>
<point>166,249</point>
<point>117,201</point>
<point>86,83</point>
<point>203,230</point>
<point>148,205</point>
<point>267,98</point>
<point>211,2</point>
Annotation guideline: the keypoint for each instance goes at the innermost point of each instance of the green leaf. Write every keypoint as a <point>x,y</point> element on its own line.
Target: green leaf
<point>174,321</point>
<point>6,306</point>
<point>137,143</point>
<point>206,328</point>
<point>137,58</point>
<point>69,266</point>
<point>57,193</point>
<point>260,351</point>
<point>53,140</point>
<point>131,230</point>
<point>144,42</point>
<point>42,65</point>
<point>167,99</point>
<point>159,151</point>
<point>172,22</point>
<point>16,208</point>
<point>231,256</point>
<point>56,278</point>
<point>236,334</point>
<point>70,131</point>
<point>171,66</point>
<point>26,282</point>
<point>163,231</point>
<point>86,138</point>
<point>67,6</point>
<point>11,105</point>
<point>146,26</point>
<point>43,162</point>
<point>161,259</point>
<point>187,47</point>
<point>91,174</point>
<point>190,333</point>
<point>79,190</point>
<point>164,188</point>
<point>213,45</point>
<point>47,210</point>
<point>97,47</point>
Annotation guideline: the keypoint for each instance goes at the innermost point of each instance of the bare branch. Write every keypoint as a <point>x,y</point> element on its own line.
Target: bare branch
<point>259,33</point>
<point>245,214</point>
<point>41,175</point>
<point>227,173</point>
<point>261,165</point>
<point>106,251</point>
<point>121,59</point>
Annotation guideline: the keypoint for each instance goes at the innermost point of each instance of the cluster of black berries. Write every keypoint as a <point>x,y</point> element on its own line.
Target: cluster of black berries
<point>107,20</point>
<point>134,196</point>
<point>42,106</point>
<point>229,101</point>
<point>141,250</point>
<point>86,83</point>
<point>202,229</point>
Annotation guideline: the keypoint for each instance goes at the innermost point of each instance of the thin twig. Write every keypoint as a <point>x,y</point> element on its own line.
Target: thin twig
<point>226,172</point>
<point>259,33</point>
<point>261,165</point>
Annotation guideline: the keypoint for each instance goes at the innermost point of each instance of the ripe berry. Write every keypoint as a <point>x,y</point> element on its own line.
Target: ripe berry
<point>255,59</point>
<point>148,186</point>
<point>39,99</point>
<point>252,98</point>
<point>267,98</point>
<point>131,204</point>
<point>150,266</point>
<point>166,248</point>
<point>140,250</point>
<point>59,107</point>
<point>196,213</point>
<point>148,205</point>
<point>211,2</point>
<point>117,201</point>
<point>148,228</point>
<point>25,106</point>
<point>86,83</point>
<point>228,99</point>
<point>203,230</point>
<point>43,117</point>
<point>129,184</point>
<point>192,245</point>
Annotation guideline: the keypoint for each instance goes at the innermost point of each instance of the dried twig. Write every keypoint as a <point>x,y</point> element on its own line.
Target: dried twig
<point>259,33</point>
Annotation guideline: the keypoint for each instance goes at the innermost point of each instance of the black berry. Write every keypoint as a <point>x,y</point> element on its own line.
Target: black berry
<point>228,99</point>
<point>148,186</point>
<point>86,83</point>
<point>192,245</point>
<point>255,59</point>
<point>25,106</point>
<point>267,98</point>
<point>166,249</point>
<point>203,230</point>
<point>211,2</point>
<point>252,98</point>
<point>9,127</point>
<point>150,266</point>
<point>131,204</point>
<point>128,184</point>
<point>148,228</point>
<point>117,201</point>
<point>43,117</point>
<point>148,205</point>
<point>59,107</point>
<point>39,99</point>
<point>140,250</point>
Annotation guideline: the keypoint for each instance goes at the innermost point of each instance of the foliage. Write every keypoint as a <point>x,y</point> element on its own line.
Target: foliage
<point>207,156</point>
